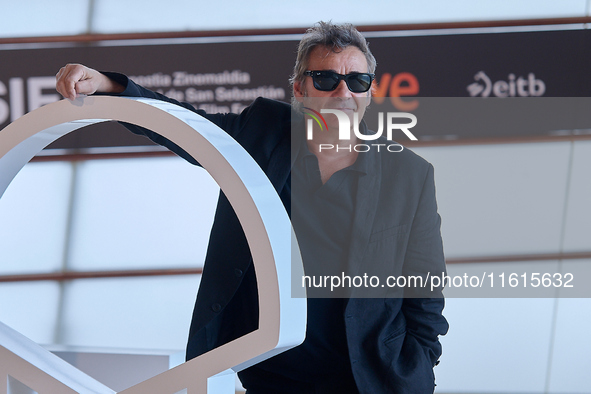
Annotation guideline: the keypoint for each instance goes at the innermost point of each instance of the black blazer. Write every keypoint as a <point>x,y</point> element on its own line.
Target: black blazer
<point>393,342</point>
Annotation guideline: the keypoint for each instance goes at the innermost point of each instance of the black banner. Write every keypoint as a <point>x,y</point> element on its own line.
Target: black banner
<point>226,76</point>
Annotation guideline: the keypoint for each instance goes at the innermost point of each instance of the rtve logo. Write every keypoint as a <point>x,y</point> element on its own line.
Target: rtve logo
<point>394,87</point>
<point>513,87</point>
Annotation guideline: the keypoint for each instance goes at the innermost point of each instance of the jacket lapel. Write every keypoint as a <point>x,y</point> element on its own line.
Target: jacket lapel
<point>283,156</point>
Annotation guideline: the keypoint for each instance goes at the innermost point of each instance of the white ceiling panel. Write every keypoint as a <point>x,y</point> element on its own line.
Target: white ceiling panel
<point>31,18</point>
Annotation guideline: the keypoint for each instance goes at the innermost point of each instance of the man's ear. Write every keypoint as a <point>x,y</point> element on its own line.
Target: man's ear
<point>298,91</point>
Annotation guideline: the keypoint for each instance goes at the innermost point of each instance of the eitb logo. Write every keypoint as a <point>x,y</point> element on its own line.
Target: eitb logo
<point>345,129</point>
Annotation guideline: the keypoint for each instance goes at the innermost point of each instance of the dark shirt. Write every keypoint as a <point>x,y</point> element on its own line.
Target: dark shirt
<point>322,216</point>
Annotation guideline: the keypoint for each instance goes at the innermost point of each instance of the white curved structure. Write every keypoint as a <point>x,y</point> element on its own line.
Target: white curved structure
<point>282,319</point>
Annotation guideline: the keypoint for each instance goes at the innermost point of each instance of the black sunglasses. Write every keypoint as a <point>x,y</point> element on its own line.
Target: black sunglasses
<point>327,81</point>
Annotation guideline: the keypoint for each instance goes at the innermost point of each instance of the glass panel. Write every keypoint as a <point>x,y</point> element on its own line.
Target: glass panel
<point>572,342</point>
<point>30,308</point>
<point>147,313</point>
<point>142,213</point>
<point>495,345</point>
<point>578,218</point>
<point>33,216</point>
<point>500,199</point>
<point>272,14</point>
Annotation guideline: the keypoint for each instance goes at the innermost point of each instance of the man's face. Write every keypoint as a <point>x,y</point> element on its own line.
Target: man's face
<point>346,61</point>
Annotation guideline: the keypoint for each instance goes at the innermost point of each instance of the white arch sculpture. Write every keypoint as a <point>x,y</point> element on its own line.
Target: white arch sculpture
<point>282,319</point>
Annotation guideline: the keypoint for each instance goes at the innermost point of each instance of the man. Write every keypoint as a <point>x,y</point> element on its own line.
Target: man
<point>351,211</point>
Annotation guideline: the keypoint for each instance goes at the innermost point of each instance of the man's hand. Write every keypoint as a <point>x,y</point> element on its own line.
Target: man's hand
<point>75,79</point>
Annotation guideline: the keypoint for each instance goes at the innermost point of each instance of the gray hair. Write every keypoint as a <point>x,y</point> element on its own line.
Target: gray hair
<point>333,37</point>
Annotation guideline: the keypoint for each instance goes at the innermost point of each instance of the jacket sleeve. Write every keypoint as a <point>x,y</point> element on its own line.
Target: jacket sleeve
<point>424,257</point>
<point>132,89</point>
